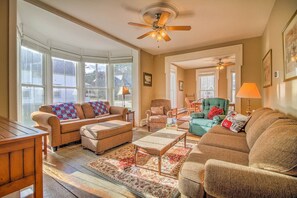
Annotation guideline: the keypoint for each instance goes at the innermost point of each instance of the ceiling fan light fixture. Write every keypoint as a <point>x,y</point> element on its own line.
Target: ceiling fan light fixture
<point>153,35</point>
<point>159,37</point>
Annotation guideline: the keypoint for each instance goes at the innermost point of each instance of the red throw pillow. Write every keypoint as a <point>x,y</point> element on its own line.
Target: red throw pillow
<point>214,111</point>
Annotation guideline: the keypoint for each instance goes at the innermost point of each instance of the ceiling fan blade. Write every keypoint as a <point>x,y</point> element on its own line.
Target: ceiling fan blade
<point>166,37</point>
<point>178,28</point>
<point>145,35</point>
<point>139,25</point>
<point>163,18</point>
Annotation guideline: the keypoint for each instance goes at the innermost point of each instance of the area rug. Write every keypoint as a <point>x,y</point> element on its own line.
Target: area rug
<point>143,180</point>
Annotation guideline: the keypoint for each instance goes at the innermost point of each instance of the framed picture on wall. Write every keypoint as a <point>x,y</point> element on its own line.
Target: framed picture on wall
<point>290,48</point>
<point>181,85</point>
<point>147,79</point>
<point>267,69</point>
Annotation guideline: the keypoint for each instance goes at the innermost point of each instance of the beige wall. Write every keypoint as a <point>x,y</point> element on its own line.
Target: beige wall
<point>281,95</point>
<point>4,62</point>
<point>223,84</point>
<point>147,93</point>
<point>251,69</point>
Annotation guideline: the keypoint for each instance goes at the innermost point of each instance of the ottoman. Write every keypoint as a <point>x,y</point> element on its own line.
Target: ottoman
<point>105,135</point>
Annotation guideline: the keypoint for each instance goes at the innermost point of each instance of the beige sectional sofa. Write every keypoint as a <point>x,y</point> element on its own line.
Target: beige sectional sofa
<point>260,162</point>
<point>66,131</point>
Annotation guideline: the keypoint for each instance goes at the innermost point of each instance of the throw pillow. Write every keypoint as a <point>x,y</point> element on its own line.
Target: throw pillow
<point>234,121</point>
<point>214,111</point>
<point>99,108</point>
<point>157,110</point>
<point>64,111</point>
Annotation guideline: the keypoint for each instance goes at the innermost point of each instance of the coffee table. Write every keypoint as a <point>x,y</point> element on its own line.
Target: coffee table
<point>159,143</point>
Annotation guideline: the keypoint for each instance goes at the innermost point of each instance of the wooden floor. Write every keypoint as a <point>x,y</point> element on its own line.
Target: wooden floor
<point>65,176</point>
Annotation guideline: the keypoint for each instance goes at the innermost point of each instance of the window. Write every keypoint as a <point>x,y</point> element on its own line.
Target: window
<point>95,81</point>
<point>64,80</point>
<point>173,86</point>
<point>207,86</point>
<point>233,87</point>
<point>32,83</point>
<point>122,75</point>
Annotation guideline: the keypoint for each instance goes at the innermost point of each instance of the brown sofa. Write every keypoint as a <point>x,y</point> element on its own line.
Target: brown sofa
<point>66,131</point>
<point>260,162</point>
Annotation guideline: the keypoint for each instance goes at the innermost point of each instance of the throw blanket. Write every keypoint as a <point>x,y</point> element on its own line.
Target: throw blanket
<point>99,108</point>
<point>64,111</point>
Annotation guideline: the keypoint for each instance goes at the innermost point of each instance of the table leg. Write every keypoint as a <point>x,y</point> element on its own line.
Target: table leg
<point>159,164</point>
<point>45,145</point>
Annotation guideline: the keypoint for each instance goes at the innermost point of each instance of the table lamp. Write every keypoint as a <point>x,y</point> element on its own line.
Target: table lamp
<point>249,91</point>
<point>124,91</point>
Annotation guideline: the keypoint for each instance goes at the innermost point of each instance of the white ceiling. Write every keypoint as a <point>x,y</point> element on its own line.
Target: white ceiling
<point>212,21</point>
<point>205,62</point>
<point>58,32</point>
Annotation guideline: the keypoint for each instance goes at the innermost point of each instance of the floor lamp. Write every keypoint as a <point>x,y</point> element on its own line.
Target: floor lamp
<point>124,91</point>
<point>249,91</point>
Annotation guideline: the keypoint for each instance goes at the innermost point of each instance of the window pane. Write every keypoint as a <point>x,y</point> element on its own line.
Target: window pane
<point>95,94</point>
<point>31,67</point>
<point>32,98</point>
<point>95,75</point>
<point>71,95</point>
<point>58,72</point>
<point>58,95</point>
<point>70,74</point>
<point>122,77</point>
<point>207,86</point>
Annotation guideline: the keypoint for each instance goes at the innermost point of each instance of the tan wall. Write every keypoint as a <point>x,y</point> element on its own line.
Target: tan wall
<point>180,94</point>
<point>281,95</point>
<point>4,62</point>
<point>147,93</point>
<point>159,77</point>
<point>223,84</point>
<point>251,69</point>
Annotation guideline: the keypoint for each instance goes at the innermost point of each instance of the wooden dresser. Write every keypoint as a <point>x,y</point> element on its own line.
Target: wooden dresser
<point>20,157</point>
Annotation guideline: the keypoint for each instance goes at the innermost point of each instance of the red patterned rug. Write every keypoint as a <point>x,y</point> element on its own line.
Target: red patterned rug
<point>119,165</point>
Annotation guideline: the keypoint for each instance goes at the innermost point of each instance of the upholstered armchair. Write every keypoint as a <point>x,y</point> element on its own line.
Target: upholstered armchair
<point>157,115</point>
<point>200,124</point>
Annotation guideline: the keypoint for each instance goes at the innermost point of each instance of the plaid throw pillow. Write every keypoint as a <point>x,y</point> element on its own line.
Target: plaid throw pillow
<point>64,111</point>
<point>234,121</point>
<point>99,108</point>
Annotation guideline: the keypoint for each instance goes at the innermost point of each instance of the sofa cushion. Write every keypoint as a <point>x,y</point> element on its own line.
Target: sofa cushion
<point>214,111</point>
<point>67,127</point>
<point>203,122</point>
<point>105,129</point>
<point>234,121</point>
<point>191,175</point>
<point>255,115</point>
<point>157,110</point>
<point>236,143</point>
<point>276,148</point>
<point>260,125</point>
<point>222,130</point>
<point>158,119</point>
<point>48,109</point>
<point>109,117</point>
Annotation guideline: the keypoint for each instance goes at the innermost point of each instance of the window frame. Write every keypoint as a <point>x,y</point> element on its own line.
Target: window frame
<point>230,70</point>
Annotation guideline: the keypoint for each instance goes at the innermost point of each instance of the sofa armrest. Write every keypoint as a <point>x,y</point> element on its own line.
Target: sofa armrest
<point>148,113</point>
<point>50,123</point>
<point>119,110</point>
<point>224,179</point>
<point>197,115</point>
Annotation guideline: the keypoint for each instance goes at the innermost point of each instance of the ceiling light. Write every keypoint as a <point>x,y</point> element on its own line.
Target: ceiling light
<point>159,37</point>
<point>153,35</point>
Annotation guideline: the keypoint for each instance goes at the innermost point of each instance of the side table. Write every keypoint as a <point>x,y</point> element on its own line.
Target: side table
<point>130,117</point>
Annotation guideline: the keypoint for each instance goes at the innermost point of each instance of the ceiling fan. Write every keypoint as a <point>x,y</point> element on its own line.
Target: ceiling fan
<point>158,24</point>
<point>221,65</point>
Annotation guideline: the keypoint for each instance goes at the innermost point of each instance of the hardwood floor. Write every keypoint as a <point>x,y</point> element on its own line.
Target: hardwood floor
<point>65,176</point>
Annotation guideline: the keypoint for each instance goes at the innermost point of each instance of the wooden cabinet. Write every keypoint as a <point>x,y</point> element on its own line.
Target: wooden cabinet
<point>130,117</point>
<point>20,157</point>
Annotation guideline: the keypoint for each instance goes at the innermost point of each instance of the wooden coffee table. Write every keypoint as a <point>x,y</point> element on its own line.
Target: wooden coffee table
<point>159,143</point>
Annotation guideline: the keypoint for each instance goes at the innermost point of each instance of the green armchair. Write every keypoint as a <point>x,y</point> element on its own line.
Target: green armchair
<point>200,124</point>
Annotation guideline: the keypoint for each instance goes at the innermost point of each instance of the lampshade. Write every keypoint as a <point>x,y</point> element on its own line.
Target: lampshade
<point>248,90</point>
<point>124,90</point>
